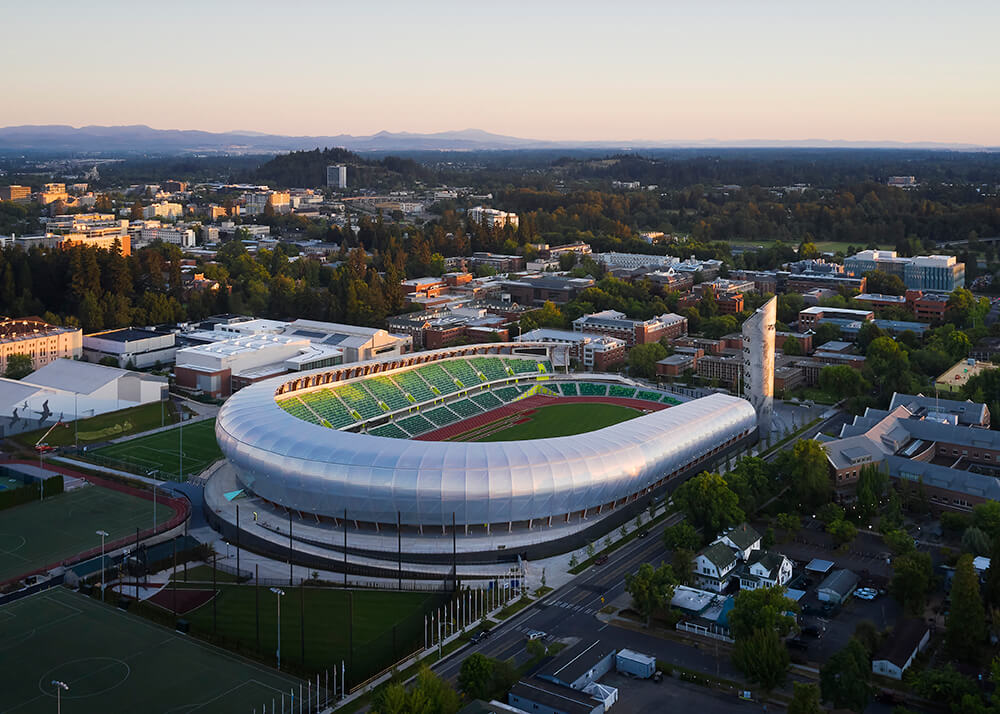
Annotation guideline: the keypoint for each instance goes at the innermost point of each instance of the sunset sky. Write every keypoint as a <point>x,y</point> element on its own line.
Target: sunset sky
<point>575,70</point>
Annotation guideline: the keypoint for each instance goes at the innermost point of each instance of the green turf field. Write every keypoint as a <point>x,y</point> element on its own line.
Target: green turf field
<point>563,420</point>
<point>117,662</point>
<point>37,534</point>
<point>327,634</point>
<point>104,426</point>
<point>160,451</point>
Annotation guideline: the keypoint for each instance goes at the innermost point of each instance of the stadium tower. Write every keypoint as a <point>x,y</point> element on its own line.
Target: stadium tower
<point>758,362</point>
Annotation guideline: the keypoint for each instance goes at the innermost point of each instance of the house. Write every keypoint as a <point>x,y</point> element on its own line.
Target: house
<point>743,539</point>
<point>767,569</point>
<point>908,638</point>
<point>579,665</point>
<point>837,586</point>
<point>714,565</point>
<point>536,695</point>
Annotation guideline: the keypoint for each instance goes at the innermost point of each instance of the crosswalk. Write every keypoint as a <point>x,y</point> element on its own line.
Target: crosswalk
<point>573,607</point>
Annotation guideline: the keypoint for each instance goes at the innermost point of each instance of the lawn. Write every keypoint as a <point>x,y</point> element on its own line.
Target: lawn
<point>42,533</point>
<point>160,452</point>
<point>387,625</point>
<point>113,661</point>
<point>564,420</point>
<point>105,426</point>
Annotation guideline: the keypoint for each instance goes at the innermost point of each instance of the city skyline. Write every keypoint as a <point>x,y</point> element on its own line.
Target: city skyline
<point>586,72</point>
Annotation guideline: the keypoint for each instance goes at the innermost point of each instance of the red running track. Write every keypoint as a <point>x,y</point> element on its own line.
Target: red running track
<point>525,405</point>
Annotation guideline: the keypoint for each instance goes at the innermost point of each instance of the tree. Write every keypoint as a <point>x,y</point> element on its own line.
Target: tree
<point>431,695</point>
<point>986,517</point>
<point>805,699</point>
<point>943,685</point>
<point>136,213</point>
<point>751,480</point>
<point>991,588</point>
<point>868,635</point>
<point>762,657</point>
<point>871,486</point>
<point>683,535</point>
<point>844,679</point>
<point>883,283</point>
<point>650,588</point>
<point>975,541</point>
<point>843,532</point>
<point>911,579</point>
<point>790,522</point>
<point>19,366</point>
<point>683,564</point>
<point>966,627</point>
<point>709,503</point>
<point>899,541</point>
<point>791,346</point>
<point>889,365</point>
<point>807,472</point>
<point>536,649</point>
<point>642,359</point>
<point>475,678</point>
<point>761,609</point>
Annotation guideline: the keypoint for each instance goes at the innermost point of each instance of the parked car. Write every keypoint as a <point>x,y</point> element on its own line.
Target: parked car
<point>535,634</point>
<point>658,677</point>
<point>602,560</point>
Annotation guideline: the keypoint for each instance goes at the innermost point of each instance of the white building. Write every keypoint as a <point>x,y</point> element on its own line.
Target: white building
<point>758,362</point>
<point>592,351</point>
<point>909,638</point>
<point>336,176</point>
<point>491,217</point>
<point>714,566</point>
<point>178,235</point>
<point>140,348</point>
<point>163,209</point>
<point>633,261</point>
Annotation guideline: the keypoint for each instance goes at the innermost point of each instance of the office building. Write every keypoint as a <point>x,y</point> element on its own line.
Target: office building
<point>537,289</point>
<point>177,235</point>
<point>130,347</point>
<point>39,340</point>
<point>758,361</point>
<point>95,230</point>
<point>632,261</point>
<point>336,176</point>
<point>491,217</point>
<point>922,272</point>
<point>593,352</point>
<point>163,209</point>
<point>15,193</point>
<point>632,332</point>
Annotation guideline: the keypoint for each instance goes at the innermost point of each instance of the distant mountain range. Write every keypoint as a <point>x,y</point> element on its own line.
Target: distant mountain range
<point>143,139</point>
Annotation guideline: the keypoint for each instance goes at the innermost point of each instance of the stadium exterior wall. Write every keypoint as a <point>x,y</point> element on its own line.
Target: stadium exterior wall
<point>318,470</point>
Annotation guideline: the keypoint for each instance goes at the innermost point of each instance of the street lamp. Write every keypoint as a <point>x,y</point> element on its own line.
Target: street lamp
<point>103,534</point>
<point>60,686</point>
<point>279,592</point>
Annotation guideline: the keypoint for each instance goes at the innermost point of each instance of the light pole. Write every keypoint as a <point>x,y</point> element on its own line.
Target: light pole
<point>60,686</point>
<point>103,534</point>
<point>279,592</point>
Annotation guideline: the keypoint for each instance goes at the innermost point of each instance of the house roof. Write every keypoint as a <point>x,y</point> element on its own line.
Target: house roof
<point>720,555</point>
<point>842,582</point>
<point>770,562</point>
<point>73,376</point>
<point>743,536</point>
<point>554,696</point>
<point>575,661</point>
<point>905,640</point>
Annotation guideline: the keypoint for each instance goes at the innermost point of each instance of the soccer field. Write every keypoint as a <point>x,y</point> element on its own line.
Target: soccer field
<point>113,661</point>
<point>161,451</point>
<point>42,533</point>
<point>387,625</point>
<point>558,420</point>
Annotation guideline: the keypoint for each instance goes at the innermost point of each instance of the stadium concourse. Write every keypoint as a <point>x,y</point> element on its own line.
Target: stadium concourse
<point>405,459</point>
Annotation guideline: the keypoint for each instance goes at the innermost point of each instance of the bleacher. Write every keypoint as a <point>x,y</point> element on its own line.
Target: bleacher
<point>487,400</point>
<point>324,403</point>
<point>648,396</point>
<point>438,377</point>
<point>618,390</point>
<point>411,382</point>
<point>522,366</point>
<point>462,371</point>
<point>546,367</point>
<point>507,393</point>
<point>667,399</point>
<point>416,424</point>
<point>356,398</point>
<point>442,416</point>
<point>568,389</point>
<point>588,389</point>
<point>465,408</point>
<point>297,409</point>
<point>492,367</point>
<point>384,389</point>
<point>390,430</point>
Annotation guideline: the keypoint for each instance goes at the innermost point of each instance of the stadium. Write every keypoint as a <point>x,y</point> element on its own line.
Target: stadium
<point>474,450</point>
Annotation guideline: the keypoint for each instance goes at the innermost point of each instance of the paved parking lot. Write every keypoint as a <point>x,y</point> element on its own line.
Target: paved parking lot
<point>672,695</point>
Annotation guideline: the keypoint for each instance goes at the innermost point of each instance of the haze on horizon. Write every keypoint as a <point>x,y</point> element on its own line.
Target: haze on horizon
<point>729,70</point>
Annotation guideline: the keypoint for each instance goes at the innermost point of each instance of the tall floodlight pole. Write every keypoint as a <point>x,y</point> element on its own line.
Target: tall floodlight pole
<point>60,686</point>
<point>279,592</point>
<point>103,534</point>
<point>180,452</point>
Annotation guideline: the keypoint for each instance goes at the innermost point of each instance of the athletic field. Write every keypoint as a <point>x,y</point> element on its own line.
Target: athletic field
<point>161,451</point>
<point>42,533</point>
<point>553,420</point>
<point>114,661</point>
<point>387,625</point>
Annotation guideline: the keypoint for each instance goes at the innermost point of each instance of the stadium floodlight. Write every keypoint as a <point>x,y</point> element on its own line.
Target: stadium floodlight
<point>279,592</point>
<point>60,686</point>
<point>103,534</point>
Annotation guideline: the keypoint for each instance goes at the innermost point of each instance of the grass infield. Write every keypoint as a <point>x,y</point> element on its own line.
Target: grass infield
<point>160,451</point>
<point>113,661</point>
<point>41,533</point>
<point>556,420</point>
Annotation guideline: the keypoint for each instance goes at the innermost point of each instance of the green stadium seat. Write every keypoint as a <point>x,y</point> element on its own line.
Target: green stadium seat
<point>648,396</point>
<point>356,398</point>
<point>546,367</point>
<point>326,404</point>
<point>465,408</point>
<point>437,377</point>
<point>487,400</point>
<point>298,409</point>
<point>442,416</point>
<point>492,367</point>
<point>385,390</point>
<point>588,389</point>
<point>568,389</point>
<point>522,366</point>
<point>618,390</point>
<point>507,393</point>
<point>416,424</point>
<point>413,385</point>
<point>462,371</point>
<point>390,430</point>
<point>667,399</point>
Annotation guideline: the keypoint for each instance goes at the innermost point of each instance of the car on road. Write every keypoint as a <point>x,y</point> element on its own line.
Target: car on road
<point>535,634</point>
<point>643,533</point>
<point>602,560</point>
<point>477,638</point>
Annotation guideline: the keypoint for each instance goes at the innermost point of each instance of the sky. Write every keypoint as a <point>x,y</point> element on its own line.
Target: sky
<point>879,70</point>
